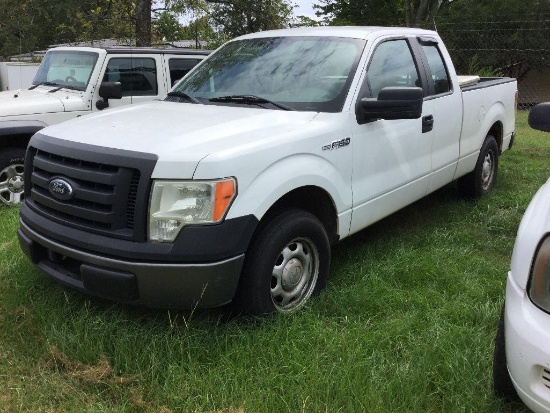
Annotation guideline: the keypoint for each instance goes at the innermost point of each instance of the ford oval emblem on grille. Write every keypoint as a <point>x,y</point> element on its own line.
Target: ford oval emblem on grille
<point>61,189</point>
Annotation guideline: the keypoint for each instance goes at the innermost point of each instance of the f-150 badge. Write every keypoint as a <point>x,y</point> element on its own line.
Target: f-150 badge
<point>337,144</point>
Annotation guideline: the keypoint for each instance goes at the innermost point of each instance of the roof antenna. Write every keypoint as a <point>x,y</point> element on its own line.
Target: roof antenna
<point>20,54</point>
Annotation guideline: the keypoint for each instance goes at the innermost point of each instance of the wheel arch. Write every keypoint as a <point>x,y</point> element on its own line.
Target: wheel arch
<point>312,199</point>
<point>493,124</point>
<point>497,132</point>
<point>16,133</point>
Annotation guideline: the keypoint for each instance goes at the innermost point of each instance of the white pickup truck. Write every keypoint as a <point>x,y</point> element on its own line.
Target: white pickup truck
<point>276,146</point>
<point>74,81</point>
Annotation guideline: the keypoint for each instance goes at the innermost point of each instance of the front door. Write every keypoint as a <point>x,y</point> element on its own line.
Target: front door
<point>391,158</point>
<point>138,76</point>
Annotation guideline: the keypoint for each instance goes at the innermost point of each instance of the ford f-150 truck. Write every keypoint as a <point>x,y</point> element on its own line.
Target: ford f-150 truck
<point>276,146</point>
<point>74,81</point>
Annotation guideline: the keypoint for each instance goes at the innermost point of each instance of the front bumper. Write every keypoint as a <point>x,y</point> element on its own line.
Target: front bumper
<point>149,283</point>
<point>527,337</point>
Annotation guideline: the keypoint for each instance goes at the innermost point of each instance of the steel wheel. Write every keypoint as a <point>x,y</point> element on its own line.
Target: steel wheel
<point>11,184</point>
<point>483,178</point>
<point>294,275</point>
<point>488,171</point>
<point>287,264</point>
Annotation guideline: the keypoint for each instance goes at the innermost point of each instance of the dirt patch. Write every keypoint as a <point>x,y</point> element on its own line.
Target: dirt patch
<point>229,411</point>
<point>100,373</point>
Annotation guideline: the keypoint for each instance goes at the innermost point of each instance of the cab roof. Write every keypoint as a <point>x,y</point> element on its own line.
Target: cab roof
<point>358,32</point>
<point>139,50</point>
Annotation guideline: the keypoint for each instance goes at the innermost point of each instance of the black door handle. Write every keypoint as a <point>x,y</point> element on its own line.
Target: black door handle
<point>427,123</point>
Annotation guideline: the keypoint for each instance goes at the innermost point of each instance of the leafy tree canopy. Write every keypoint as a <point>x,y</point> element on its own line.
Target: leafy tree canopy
<point>412,13</point>
<point>510,41</point>
<point>238,17</point>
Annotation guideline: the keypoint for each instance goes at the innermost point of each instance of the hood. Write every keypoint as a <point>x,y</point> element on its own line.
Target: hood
<point>179,133</point>
<point>534,225</point>
<point>29,102</point>
<point>537,215</point>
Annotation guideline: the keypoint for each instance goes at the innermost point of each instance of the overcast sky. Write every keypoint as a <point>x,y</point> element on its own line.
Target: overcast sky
<point>305,8</point>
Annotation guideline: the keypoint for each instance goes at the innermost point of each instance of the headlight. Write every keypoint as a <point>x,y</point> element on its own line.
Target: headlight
<point>539,288</point>
<point>175,204</point>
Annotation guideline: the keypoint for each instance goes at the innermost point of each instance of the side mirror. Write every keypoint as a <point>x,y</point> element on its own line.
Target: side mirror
<point>108,90</point>
<point>394,103</point>
<point>539,117</point>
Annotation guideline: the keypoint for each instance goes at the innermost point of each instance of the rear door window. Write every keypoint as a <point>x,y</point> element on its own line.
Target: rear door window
<point>180,67</point>
<point>438,70</point>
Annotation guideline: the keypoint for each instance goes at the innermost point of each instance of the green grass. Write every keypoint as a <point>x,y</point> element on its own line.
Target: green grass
<point>406,324</point>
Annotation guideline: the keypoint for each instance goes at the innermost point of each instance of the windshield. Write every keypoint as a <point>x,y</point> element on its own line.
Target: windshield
<point>71,69</point>
<point>303,73</point>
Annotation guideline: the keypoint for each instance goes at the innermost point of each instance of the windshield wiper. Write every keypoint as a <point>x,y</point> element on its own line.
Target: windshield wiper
<point>43,84</point>
<point>57,86</point>
<point>185,96</point>
<point>249,100</point>
<point>71,87</point>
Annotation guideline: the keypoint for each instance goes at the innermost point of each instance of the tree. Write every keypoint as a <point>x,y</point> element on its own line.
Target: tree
<point>27,25</point>
<point>304,21</point>
<point>511,41</point>
<point>167,27</point>
<point>143,22</point>
<point>103,19</point>
<point>417,12</point>
<point>199,28</point>
<point>238,17</point>
<point>412,13</point>
<point>360,12</point>
<point>30,25</point>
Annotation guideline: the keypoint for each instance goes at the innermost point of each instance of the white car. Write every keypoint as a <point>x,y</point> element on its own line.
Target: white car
<point>522,347</point>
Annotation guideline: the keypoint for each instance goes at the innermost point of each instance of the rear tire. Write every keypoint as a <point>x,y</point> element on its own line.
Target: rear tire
<point>12,162</point>
<point>483,178</point>
<point>502,383</point>
<point>288,263</point>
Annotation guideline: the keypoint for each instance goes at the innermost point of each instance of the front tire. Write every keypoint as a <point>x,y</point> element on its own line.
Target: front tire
<point>287,264</point>
<point>483,178</point>
<point>12,163</point>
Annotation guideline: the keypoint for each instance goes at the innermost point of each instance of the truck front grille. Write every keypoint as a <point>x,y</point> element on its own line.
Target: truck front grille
<point>109,189</point>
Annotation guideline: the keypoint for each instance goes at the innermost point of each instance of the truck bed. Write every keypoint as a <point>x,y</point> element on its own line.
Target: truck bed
<point>483,108</point>
<point>482,82</point>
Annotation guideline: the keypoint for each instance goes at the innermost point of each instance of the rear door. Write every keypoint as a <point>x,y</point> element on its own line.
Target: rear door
<point>446,100</point>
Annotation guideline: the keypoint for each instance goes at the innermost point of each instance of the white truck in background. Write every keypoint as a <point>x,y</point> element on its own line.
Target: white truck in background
<point>74,81</point>
<point>278,145</point>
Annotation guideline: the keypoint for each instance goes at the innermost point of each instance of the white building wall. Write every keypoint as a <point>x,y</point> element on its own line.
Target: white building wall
<point>17,75</point>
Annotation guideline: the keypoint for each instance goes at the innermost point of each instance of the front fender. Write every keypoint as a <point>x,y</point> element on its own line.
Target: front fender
<point>288,174</point>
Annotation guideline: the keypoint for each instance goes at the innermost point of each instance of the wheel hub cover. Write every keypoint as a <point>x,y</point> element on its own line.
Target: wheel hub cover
<point>292,273</point>
<point>486,171</point>
<point>15,184</point>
